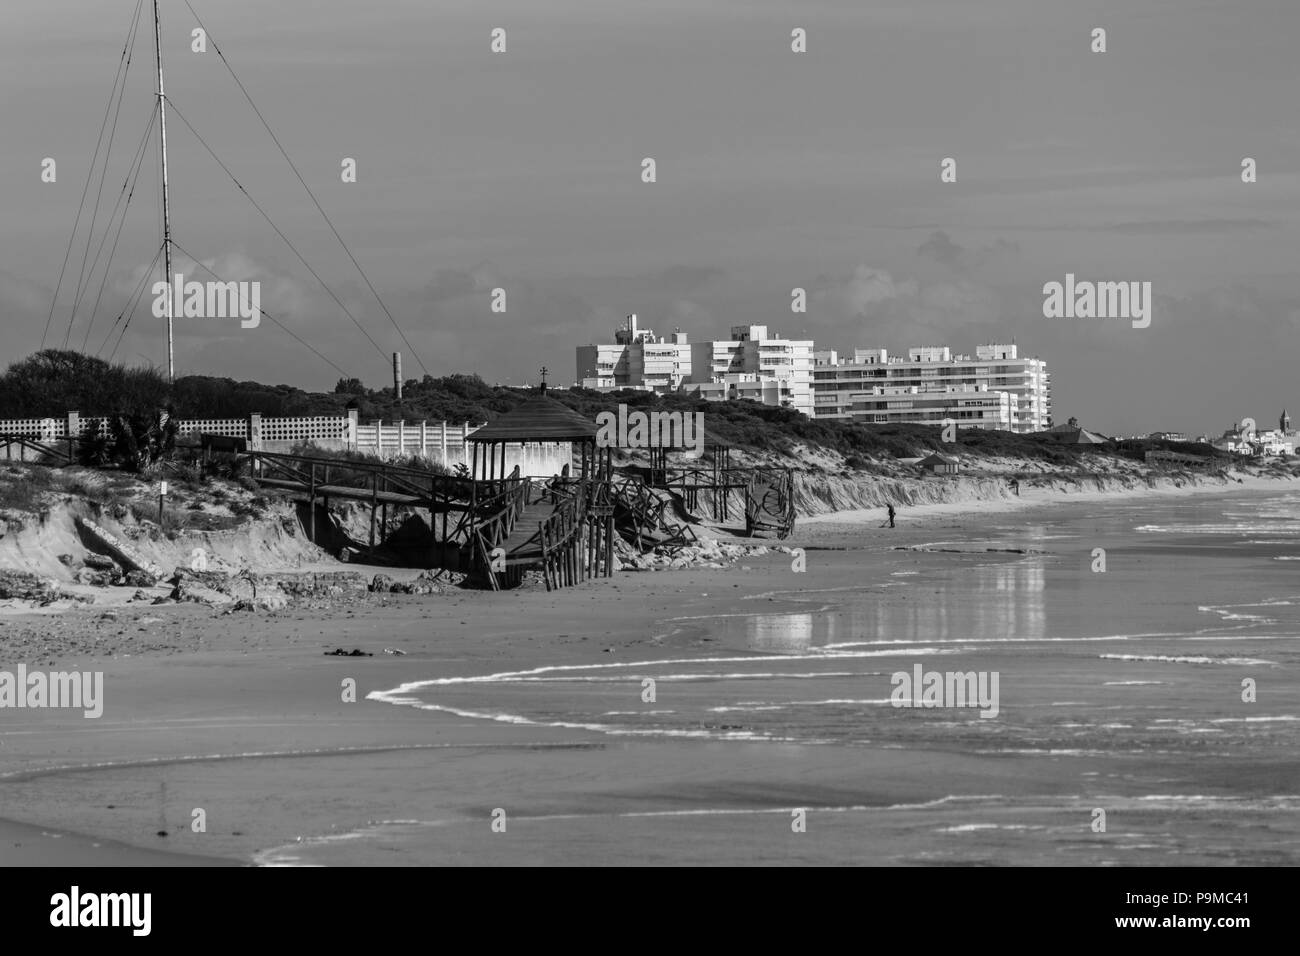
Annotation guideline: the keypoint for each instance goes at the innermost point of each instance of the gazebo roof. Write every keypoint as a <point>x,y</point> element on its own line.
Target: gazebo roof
<point>537,419</point>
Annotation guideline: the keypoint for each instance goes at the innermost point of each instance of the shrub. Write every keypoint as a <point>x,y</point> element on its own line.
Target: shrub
<point>19,493</point>
<point>53,382</point>
<point>135,442</point>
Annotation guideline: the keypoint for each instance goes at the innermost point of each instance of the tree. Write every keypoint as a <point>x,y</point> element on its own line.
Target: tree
<point>349,386</point>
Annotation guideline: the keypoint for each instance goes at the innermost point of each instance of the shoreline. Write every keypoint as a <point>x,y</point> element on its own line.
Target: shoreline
<point>1029,500</point>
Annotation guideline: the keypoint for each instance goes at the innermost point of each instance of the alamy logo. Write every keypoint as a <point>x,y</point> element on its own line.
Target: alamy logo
<point>54,689</point>
<point>102,909</point>
<point>651,430</point>
<point>210,300</point>
<point>1098,300</point>
<point>949,689</point>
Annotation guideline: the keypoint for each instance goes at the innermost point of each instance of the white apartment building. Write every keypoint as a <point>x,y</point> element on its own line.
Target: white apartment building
<point>738,385</point>
<point>995,388</point>
<point>638,358</point>
<point>788,362</point>
<point>751,364</point>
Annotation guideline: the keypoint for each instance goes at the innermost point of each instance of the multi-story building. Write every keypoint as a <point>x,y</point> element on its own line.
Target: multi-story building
<point>752,365</point>
<point>738,385</point>
<point>995,388</point>
<point>638,358</point>
<point>787,362</point>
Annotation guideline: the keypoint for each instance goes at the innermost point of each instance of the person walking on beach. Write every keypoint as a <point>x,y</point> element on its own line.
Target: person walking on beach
<point>891,516</point>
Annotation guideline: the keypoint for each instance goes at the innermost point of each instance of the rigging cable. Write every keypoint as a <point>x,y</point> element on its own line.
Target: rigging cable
<point>277,229</point>
<point>103,175</point>
<point>319,208</point>
<point>131,179</point>
<point>90,175</point>
<point>266,314</point>
<point>131,300</point>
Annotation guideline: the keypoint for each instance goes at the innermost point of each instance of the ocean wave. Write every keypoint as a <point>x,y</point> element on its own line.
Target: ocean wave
<point>1169,659</point>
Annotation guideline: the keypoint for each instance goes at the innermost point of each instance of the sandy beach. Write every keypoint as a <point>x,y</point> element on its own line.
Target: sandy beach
<point>772,692</point>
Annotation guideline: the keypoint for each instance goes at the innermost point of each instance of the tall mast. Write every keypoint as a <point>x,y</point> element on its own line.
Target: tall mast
<point>167,231</point>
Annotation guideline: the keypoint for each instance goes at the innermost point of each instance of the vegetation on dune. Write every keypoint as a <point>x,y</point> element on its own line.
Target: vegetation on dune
<point>134,442</point>
<point>53,382</point>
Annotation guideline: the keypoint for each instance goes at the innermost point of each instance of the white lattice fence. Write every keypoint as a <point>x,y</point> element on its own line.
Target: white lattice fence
<point>304,429</point>
<point>437,441</point>
<point>227,427</point>
<point>43,428</point>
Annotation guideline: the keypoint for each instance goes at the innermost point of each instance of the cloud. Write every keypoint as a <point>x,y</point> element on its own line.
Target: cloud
<point>687,278</point>
<point>1182,227</point>
<point>688,315</point>
<point>940,248</point>
<point>872,307</point>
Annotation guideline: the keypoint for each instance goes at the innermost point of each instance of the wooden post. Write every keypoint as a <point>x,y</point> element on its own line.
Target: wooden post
<point>374,505</point>
<point>541,537</point>
<point>312,499</point>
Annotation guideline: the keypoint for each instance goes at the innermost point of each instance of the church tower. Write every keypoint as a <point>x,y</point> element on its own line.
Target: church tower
<point>1285,423</point>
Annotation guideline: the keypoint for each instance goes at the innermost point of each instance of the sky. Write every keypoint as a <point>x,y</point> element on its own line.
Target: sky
<point>774,170</point>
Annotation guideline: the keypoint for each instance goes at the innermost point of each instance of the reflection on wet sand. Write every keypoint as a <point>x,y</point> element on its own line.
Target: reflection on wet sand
<point>986,603</point>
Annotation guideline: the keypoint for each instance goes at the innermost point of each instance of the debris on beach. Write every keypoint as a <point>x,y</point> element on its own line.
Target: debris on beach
<point>25,586</point>
<point>708,553</point>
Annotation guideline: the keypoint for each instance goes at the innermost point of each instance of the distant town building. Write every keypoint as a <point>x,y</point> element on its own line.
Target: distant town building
<point>1241,440</point>
<point>995,388</point>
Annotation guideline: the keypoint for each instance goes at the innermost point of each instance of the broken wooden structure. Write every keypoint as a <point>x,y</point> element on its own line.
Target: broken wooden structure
<point>769,502</point>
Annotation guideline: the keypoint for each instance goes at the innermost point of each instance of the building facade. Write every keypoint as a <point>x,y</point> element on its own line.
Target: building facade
<point>994,388</point>
<point>750,365</point>
<point>636,359</point>
<point>751,350</point>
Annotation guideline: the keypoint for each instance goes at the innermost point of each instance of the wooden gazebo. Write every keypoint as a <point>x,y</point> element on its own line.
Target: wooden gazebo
<point>539,419</point>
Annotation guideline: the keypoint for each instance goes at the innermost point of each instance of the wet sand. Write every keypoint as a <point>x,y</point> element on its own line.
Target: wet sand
<point>243,718</point>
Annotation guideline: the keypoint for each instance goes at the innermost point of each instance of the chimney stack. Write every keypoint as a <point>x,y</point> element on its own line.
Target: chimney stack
<point>397,375</point>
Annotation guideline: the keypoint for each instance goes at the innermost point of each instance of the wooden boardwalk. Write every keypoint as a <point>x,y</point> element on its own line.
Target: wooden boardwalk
<point>493,529</point>
<point>524,543</point>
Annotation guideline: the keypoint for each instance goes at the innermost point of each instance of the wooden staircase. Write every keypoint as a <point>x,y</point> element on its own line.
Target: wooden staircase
<point>524,543</point>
